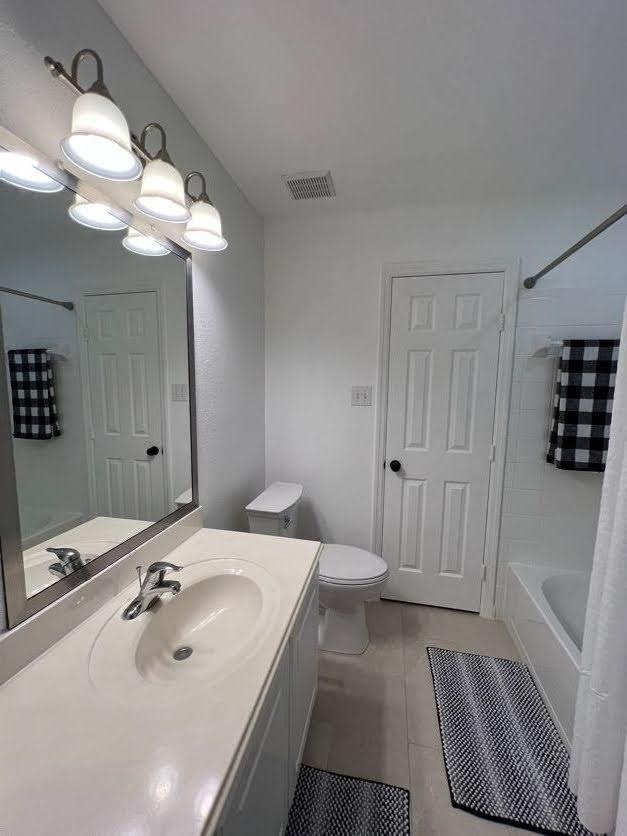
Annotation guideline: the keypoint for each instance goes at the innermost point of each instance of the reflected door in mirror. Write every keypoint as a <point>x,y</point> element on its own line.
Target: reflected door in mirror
<point>126,405</point>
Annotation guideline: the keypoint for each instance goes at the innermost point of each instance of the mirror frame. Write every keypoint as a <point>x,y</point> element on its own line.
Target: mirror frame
<point>18,606</point>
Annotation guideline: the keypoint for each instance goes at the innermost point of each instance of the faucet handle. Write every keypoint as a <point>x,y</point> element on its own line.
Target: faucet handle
<point>155,574</point>
<point>65,554</point>
<point>163,566</point>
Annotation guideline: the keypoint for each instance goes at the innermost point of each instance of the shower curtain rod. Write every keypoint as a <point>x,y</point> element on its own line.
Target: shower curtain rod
<point>530,281</point>
<point>68,305</point>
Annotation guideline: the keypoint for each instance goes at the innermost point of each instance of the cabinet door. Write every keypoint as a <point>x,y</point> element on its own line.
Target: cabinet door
<point>304,676</point>
<point>260,800</point>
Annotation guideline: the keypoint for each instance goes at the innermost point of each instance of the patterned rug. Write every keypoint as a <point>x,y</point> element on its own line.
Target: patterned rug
<point>327,804</point>
<point>504,757</point>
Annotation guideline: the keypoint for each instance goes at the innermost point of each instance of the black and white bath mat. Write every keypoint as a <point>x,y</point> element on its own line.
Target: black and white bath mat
<point>327,804</point>
<point>504,757</point>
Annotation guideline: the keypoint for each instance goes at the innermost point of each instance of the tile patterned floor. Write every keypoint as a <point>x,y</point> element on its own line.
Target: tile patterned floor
<point>375,715</point>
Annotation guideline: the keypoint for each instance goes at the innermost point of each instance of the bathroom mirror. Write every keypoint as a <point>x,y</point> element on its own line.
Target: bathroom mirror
<point>96,390</point>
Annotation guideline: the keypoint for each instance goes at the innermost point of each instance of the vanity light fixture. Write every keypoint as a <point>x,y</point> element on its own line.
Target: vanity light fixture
<point>137,242</point>
<point>100,142</point>
<point>95,215</point>
<point>204,229</point>
<point>162,193</point>
<point>21,170</point>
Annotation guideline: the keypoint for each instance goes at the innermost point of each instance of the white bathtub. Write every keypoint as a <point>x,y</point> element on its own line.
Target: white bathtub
<point>545,612</point>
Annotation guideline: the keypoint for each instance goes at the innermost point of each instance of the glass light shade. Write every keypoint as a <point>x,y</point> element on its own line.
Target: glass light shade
<point>162,193</point>
<point>100,142</point>
<point>95,215</point>
<point>137,242</point>
<point>204,229</point>
<point>21,170</point>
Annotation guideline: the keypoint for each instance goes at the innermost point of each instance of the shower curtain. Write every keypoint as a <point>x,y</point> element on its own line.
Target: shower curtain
<point>598,771</point>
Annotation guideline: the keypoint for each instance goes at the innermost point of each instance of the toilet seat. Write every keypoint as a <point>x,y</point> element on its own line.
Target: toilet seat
<point>350,566</point>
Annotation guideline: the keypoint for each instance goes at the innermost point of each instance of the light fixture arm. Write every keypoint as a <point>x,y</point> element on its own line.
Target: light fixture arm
<point>57,70</point>
<point>162,153</point>
<point>203,194</point>
<point>98,86</point>
<point>71,79</point>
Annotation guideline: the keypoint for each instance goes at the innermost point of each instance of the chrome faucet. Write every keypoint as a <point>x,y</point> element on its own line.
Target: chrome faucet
<point>69,561</point>
<point>151,588</point>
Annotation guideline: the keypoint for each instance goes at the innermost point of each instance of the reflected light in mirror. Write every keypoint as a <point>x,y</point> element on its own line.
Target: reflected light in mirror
<point>100,141</point>
<point>21,170</point>
<point>95,215</point>
<point>137,242</point>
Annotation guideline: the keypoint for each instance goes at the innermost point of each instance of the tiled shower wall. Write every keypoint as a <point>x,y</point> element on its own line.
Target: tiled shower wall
<point>549,515</point>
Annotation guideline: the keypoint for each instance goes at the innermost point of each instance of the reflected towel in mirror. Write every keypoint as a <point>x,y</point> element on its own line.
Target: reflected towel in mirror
<point>32,394</point>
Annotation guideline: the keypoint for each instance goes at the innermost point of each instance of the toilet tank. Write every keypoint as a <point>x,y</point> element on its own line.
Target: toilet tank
<point>275,511</point>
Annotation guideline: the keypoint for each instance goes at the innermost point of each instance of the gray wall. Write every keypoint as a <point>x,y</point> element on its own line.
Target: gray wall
<point>228,288</point>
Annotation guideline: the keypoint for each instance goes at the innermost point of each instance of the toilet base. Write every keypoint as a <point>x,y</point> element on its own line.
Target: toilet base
<point>344,631</point>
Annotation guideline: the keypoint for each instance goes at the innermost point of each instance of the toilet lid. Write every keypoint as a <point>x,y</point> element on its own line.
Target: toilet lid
<point>276,499</point>
<point>350,565</point>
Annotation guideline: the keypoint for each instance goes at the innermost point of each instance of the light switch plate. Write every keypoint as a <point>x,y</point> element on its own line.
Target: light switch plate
<point>180,393</point>
<point>361,396</point>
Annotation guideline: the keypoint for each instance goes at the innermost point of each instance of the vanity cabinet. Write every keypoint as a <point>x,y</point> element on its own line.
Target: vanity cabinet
<point>259,798</point>
<point>261,794</point>
<point>304,680</point>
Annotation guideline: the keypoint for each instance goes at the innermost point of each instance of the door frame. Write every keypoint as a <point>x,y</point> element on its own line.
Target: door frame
<point>510,269</point>
<point>142,286</point>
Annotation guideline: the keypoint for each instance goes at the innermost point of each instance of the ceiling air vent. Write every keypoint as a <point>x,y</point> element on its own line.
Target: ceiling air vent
<point>308,185</point>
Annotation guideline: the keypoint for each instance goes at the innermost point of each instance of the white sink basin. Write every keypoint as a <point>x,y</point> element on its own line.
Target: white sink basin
<point>218,619</point>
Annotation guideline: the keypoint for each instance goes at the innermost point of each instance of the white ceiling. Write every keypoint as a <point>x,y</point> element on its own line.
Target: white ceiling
<point>406,101</point>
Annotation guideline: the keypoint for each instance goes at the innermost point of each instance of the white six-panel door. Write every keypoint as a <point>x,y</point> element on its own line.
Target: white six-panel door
<point>443,364</point>
<point>125,389</point>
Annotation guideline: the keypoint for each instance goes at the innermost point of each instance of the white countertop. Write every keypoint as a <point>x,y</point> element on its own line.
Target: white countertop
<point>77,761</point>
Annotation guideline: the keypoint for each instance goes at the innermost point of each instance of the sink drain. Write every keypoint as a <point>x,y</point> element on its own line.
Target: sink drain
<point>182,653</point>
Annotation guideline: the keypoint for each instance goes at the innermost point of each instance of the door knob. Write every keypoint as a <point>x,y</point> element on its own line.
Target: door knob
<point>152,451</point>
<point>395,465</point>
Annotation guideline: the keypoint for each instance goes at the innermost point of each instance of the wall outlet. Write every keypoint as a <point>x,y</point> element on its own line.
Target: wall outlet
<point>180,393</point>
<point>361,396</point>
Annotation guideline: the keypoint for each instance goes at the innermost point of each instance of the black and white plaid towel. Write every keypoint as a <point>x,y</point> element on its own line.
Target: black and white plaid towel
<point>582,407</point>
<point>32,392</point>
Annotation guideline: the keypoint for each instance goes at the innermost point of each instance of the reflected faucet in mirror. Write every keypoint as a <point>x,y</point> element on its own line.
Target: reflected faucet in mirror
<point>69,561</point>
<point>152,587</point>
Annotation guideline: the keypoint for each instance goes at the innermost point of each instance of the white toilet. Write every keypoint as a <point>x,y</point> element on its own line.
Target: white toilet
<point>348,576</point>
